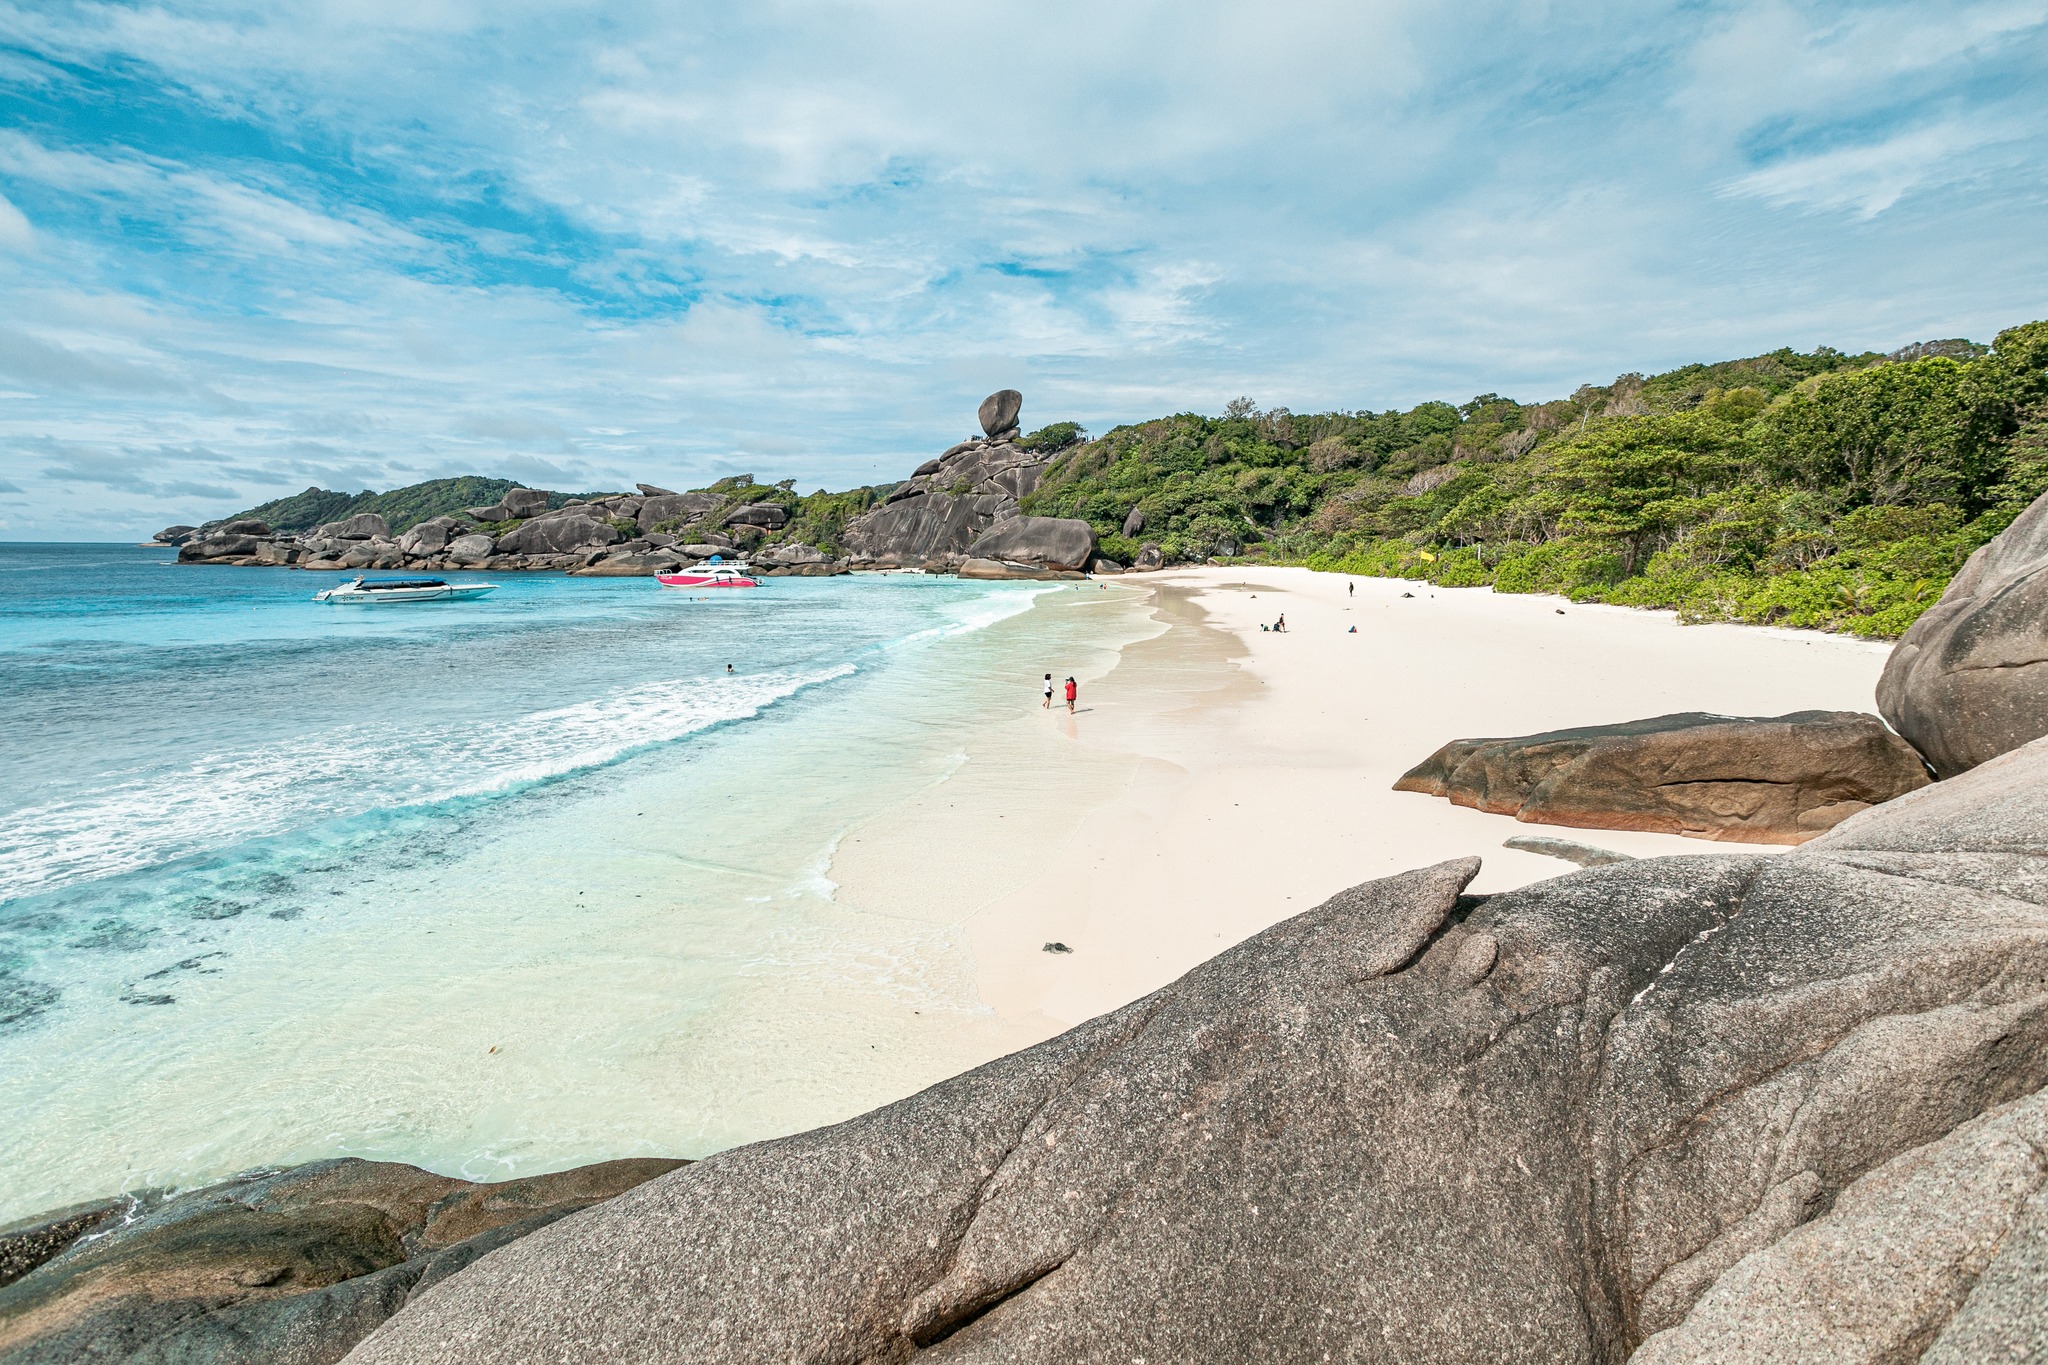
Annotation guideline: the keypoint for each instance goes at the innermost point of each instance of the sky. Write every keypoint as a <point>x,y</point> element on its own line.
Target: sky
<point>247,248</point>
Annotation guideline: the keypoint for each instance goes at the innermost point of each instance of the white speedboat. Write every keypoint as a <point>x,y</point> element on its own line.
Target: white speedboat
<point>378,591</point>
<point>715,572</point>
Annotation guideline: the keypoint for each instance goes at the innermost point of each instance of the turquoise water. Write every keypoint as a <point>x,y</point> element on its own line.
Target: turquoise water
<point>491,886</point>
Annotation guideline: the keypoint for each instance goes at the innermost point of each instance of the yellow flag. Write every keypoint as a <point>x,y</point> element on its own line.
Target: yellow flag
<point>1427,555</point>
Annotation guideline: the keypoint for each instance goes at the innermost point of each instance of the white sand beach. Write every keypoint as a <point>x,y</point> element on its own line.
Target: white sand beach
<point>1217,778</point>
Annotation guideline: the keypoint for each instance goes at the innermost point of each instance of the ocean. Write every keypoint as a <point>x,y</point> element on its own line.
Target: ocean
<point>492,887</point>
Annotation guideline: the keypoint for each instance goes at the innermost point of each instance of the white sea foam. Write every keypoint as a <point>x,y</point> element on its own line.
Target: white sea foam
<point>227,798</point>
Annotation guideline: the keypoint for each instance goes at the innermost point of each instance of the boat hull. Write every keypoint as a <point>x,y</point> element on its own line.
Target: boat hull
<point>684,580</point>
<point>390,597</point>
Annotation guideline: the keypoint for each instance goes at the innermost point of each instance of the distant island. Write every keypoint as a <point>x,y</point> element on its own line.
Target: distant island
<point>1811,489</point>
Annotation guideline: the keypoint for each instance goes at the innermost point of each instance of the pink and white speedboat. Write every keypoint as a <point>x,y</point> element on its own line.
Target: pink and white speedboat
<point>712,573</point>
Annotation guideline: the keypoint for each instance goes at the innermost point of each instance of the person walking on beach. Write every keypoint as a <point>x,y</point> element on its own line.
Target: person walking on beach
<point>1048,691</point>
<point>1351,590</point>
<point>1073,691</point>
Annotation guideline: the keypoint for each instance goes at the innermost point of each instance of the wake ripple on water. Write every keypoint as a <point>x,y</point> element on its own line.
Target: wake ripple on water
<point>144,819</point>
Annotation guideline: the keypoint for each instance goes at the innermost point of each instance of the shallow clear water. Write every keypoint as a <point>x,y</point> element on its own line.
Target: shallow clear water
<point>490,886</point>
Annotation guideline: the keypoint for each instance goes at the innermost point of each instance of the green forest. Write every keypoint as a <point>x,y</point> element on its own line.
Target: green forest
<point>1819,489</point>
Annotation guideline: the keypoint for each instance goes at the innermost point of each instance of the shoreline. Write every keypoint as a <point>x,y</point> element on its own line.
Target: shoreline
<point>1254,770</point>
<point>1215,780</point>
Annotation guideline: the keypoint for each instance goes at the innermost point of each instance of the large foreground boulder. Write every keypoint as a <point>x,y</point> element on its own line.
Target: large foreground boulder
<point>1777,780</point>
<point>1412,1125</point>
<point>286,1268</point>
<point>1047,542</point>
<point>1969,680</point>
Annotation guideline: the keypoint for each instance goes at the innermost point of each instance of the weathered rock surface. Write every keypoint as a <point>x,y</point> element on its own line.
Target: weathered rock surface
<point>1780,780</point>
<point>1000,569</point>
<point>524,502</point>
<point>649,490</point>
<point>1049,542</point>
<point>361,526</point>
<point>1571,850</point>
<point>174,535</point>
<point>634,564</point>
<point>940,511</point>
<point>473,548</point>
<point>556,535</point>
<point>431,536</point>
<point>1150,557</point>
<point>1969,680</point>
<point>291,1268</point>
<point>791,555</point>
<point>1544,1126</point>
<point>30,1242</point>
<point>247,526</point>
<point>216,547</point>
<point>664,507</point>
<point>768,515</point>
<point>998,411</point>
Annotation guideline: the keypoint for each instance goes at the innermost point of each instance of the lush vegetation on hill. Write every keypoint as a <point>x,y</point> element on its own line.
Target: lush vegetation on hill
<point>402,507</point>
<point>1822,489</point>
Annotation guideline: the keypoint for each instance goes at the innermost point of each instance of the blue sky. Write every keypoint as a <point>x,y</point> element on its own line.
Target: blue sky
<point>246,248</point>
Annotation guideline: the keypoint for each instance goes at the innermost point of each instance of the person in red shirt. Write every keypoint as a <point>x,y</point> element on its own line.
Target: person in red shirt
<point>1073,691</point>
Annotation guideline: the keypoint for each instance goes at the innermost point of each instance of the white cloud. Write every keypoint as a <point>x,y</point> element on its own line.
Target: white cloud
<point>15,232</point>
<point>1870,179</point>
<point>426,237</point>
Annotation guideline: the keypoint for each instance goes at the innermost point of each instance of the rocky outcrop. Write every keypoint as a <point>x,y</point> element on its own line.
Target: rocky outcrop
<point>524,502</point>
<point>431,536</point>
<point>288,1268</point>
<point>361,526</point>
<point>175,535</point>
<point>1046,542</point>
<point>1969,680</point>
<point>659,508</point>
<point>1728,1105</point>
<point>937,514</point>
<point>1000,569</point>
<point>556,535</point>
<point>998,412</point>
<point>766,515</point>
<point>1780,780</point>
<point>1150,557</point>
<point>473,548</point>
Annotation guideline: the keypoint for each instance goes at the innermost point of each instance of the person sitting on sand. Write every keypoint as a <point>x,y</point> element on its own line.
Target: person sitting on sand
<point>1073,691</point>
<point>1281,624</point>
<point>1048,691</point>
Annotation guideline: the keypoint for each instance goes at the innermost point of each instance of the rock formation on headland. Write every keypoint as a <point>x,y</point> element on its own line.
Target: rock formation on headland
<point>281,1268</point>
<point>956,513</point>
<point>1777,780</point>
<point>961,506</point>
<point>1727,1107</point>
<point>1969,679</point>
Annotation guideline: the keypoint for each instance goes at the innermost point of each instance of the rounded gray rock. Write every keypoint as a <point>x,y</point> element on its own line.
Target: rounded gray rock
<point>999,411</point>
<point>1969,680</point>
